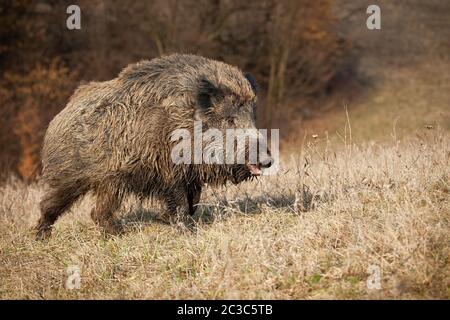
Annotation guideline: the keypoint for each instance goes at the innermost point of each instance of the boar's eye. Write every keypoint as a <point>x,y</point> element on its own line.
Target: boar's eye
<point>231,121</point>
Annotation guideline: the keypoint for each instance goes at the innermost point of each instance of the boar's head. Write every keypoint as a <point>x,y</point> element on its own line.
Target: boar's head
<point>231,109</point>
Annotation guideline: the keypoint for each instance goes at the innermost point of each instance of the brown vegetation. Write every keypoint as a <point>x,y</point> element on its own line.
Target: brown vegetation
<point>33,99</point>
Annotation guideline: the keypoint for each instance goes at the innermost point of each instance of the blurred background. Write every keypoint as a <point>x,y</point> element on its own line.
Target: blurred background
<point>315,61</point>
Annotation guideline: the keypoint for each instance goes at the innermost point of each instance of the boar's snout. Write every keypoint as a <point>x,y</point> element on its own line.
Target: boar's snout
<point>266,162</point>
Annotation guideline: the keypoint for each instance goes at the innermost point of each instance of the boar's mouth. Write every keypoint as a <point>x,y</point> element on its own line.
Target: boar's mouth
<point>240,173</point>
<point>243,172</point>
<point>254,169</point>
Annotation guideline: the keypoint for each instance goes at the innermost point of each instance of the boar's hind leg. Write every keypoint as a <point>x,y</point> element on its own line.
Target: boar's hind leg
<point>55,203</point>
<point>103,213</point>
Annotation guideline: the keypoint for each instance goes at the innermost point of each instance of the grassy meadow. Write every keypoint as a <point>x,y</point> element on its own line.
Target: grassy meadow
<point>312,231</point>
<point>364,185</point>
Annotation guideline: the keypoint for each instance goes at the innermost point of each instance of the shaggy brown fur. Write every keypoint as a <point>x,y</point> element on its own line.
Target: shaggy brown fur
<point>113,137</point>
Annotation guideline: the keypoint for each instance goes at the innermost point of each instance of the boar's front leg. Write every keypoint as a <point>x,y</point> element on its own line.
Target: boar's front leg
<point>193,196</point>
<point>177,207</point>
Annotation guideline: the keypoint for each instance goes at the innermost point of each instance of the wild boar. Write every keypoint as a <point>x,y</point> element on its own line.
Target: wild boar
<point>114,138</point>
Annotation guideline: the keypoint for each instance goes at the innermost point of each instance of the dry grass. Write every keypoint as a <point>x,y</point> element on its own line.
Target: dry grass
<point>310,232</point>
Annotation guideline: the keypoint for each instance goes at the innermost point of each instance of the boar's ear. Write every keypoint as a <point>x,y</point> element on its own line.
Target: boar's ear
<point>252,82</point>
<point>207,93</point>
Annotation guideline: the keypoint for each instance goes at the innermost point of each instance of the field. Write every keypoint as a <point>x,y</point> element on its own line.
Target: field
<point>367,199</point>
<point>316,230</point>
